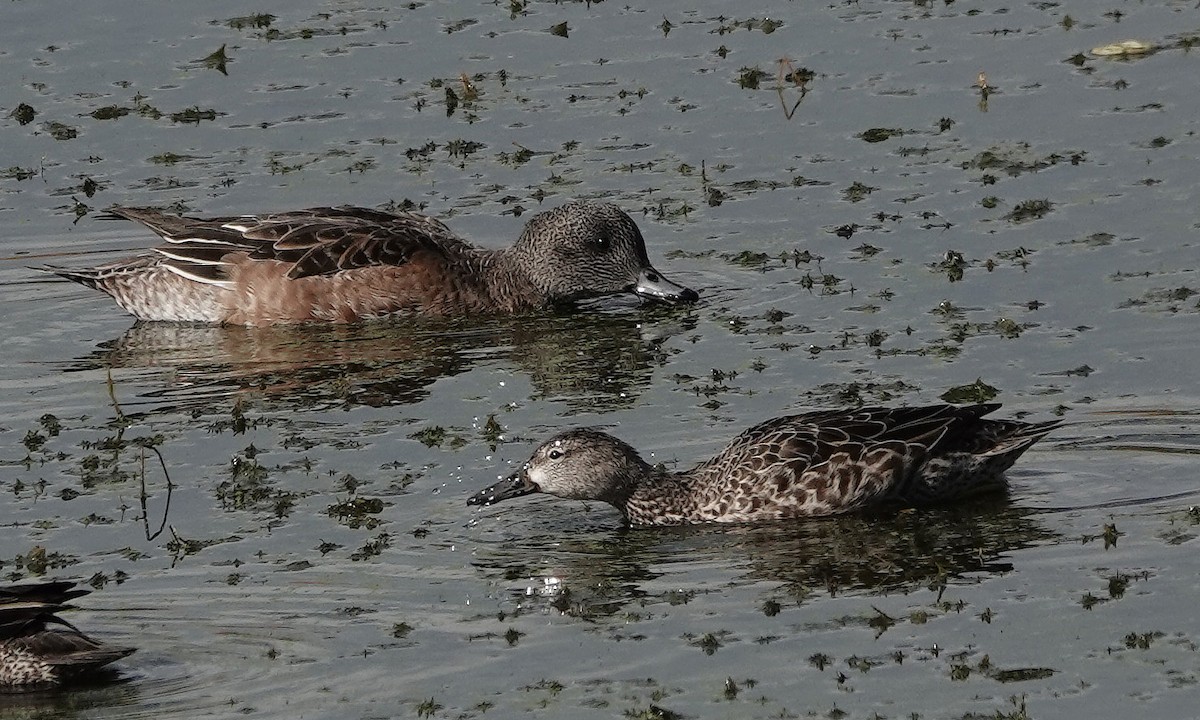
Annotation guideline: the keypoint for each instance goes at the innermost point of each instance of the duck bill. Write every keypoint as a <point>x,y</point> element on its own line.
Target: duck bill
<point>652,285</point>
<point>514,485</point>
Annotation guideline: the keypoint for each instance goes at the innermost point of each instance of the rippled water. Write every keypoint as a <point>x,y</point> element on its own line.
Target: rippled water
<point>276,518</point>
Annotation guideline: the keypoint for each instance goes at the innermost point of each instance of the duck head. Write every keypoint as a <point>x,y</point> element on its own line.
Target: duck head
<point>583,464</point>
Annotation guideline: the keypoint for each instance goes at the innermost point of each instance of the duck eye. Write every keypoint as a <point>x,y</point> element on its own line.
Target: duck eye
<point>601,242</point>
<point>554,454</point>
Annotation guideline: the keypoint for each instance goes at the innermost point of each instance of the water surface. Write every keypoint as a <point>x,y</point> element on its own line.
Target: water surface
<point>276,517</point>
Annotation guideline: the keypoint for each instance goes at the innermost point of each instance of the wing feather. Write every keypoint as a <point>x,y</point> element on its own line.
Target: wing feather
<point>315,242</point>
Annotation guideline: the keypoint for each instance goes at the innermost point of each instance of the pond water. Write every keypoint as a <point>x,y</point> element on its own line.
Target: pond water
<point>277,517</point>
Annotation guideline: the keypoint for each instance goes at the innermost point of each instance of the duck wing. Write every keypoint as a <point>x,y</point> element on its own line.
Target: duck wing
<point>27,608</point>
<point>833,461</point>
<point>316,241</point>
<point>814,438</point>
<point>29,624</point>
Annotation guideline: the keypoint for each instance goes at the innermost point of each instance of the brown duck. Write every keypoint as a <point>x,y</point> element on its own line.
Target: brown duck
<point>826,462</point>
<point>346,264</point>
<point>38,649</point>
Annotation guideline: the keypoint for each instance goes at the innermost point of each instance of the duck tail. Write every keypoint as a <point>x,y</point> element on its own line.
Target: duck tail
<point>1011,439</point>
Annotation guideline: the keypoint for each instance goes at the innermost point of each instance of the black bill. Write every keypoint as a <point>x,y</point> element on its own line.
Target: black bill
<point>514,485</point>
<point>651,284</point>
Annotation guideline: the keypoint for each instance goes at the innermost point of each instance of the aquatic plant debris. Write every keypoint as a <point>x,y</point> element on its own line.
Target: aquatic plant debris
<point>1123,49</point>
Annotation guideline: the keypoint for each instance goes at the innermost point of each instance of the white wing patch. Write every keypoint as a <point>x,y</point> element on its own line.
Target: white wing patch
<point>182,272</point>
<point>242,227</point>
<point>199,241</point>
<point>181,257</point>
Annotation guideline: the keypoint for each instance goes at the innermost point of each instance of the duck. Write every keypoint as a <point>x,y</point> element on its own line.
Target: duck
<point>812,464</point>
<point>38,649</point>
<point>346,264</point>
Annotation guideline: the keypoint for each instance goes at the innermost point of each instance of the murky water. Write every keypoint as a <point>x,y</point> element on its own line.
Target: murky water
<point>276,518</point>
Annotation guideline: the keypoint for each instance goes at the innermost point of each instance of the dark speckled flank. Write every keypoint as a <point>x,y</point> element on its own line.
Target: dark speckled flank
<point>346,264</point>
<point>818,463</point>
<point>38,649</point>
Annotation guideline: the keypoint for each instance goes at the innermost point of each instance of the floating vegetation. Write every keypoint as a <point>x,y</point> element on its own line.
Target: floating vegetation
<point>1008,328</point>
<point>248,487</point>
<point>428,708</point>
<point>169,158</point>
<point>880,622</point>
<point>1166,299</point>
<point>216,60</point>
<point>361,166</point>
<point>951,265</point>
<point>1018,160</point>
<point>553,687</point>
<point>276,164</point>
<point>654,712</point>
<point>1018,256</point>
<point>788,75</point>
<point>194,115</point>
<point>1142,641</point>
<point>857,191</point>
<point>432,436</point>
<point>357,512</point>
<point>766,25</point>
<point>18,173</point>
<point>748,258</point>
<point>59,131</point>
<point>1078,59</point>
<point>867,251</point>
<point>437,436</point>
<point>708,642</point>
<point>512,636</point>
<point>147,110</point>
<point>401,630</point>
<point>1109,534</point>
<point>876,135</point>
<point>463,148</point>
<point>492,432</point>
<point>795,75</point>
<point>256,21</point>
<point>23,114</point>
<point>1123,49</point>
<point>828,283</point>
<point>750,78</point>
<point>1029,210</point>
<point>110,112</point>
<point>180,546</point>
<point>38,560</point>
<point>373,547</point>
<point>1021,674</point>
<point>976,392</point>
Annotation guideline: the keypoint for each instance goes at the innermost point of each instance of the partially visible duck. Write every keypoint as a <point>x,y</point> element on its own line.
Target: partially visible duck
<point>826,462</point>
<point>345,264</point>
<point>40,650</point>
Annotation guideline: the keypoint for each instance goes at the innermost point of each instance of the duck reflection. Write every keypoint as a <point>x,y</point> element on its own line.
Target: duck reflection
<point>595,361</point>
<point>595,573</point>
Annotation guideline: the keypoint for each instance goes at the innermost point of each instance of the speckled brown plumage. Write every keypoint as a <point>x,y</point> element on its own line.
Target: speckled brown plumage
<point>349,263</point>
<point>817,463</point>
<point>39,650</point>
